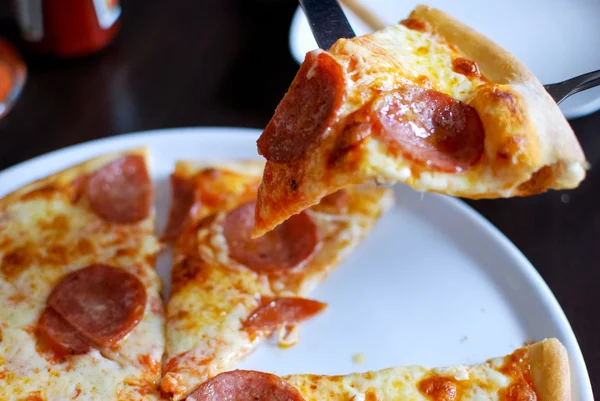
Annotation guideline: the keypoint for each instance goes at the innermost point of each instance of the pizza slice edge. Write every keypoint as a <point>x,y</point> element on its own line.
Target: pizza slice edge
<point>536,372</point>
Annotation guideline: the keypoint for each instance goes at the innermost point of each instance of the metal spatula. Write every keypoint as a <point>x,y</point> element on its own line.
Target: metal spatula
<point>328,23</point>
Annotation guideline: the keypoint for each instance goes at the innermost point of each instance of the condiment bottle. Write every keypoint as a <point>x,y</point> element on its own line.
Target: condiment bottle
<point>68,28</point>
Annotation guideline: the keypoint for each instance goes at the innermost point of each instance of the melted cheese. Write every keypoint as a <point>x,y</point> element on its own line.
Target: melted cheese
<point>472,383</point>
<point>422,54</point>
<point>393,57</point>
<point>43,237</point>
<point>205,313</point>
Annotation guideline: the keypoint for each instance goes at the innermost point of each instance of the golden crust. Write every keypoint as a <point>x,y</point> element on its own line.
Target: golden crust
<point>63,178</point>
<point>497,64</point>
<point>557,145</point>
<point>549,366</point>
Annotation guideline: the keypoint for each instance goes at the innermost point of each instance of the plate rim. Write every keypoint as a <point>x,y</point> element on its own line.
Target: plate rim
<point>582,110</point>
<point>140,138</point>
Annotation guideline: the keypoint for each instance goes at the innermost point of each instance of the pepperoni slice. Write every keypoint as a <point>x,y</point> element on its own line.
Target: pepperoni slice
<point>60,335</point>
<point>284,247</point>
<point>183,201</point>
<point>307,110</point>
<point>121,191</point>
<point>283,311</point>
<point>430,128</point>
<point>245,385</point>
<point>101,302</point>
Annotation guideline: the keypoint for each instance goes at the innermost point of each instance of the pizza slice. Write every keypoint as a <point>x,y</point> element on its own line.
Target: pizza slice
<point>428,102</point>
<point>536,372</point>
<point>81,316</point>
<point>228,291</point>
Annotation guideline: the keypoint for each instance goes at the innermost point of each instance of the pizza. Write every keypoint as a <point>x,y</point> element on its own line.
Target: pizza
<point>536,372</point>
<point>81,316</point>
<point>229,292</point>
<point>428,102</point>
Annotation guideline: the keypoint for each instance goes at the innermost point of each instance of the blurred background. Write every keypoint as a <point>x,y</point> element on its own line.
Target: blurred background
<point>228,63</point>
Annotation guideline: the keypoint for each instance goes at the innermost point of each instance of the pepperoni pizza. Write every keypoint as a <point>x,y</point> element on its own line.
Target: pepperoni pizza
<point>428,102</point>
<point>539,372</point>
<point>228,291</point>
<point>81,315</point>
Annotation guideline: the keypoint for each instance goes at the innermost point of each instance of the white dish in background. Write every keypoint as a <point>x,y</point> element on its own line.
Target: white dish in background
<point>433,284</point>
<point>557,39</point>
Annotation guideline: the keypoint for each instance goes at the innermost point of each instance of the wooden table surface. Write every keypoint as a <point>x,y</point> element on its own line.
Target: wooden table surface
<point>227,63</point>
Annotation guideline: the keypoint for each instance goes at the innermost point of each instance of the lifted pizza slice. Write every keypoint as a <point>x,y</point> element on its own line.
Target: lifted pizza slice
<point>428,102</point>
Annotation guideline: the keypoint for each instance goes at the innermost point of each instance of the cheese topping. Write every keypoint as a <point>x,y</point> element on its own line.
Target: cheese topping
<point>43,237</point>
<point>484,382</point>
<point>216,293</point>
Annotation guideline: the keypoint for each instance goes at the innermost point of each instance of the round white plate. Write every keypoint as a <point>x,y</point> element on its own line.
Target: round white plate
<point>434,283</point>
<point>557,39</point>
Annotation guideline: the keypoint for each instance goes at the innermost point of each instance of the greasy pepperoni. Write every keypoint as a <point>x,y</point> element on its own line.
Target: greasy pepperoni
<point>283,311</point>
<point>121,191</point>
<point>60,335</point>
<point>430,128</point>
<point>307,110</point>
<point>465,67</point>
<point>102,302</point>
<point>245,385</point>
<point>183,201</point>
<point>284,247</point>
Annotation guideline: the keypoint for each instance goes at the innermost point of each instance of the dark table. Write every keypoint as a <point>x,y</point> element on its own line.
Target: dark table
<point>226,62</point>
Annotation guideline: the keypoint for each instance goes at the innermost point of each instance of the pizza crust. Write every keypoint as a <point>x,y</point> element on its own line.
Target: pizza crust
<point>547,361</point>
<point>549,366</point>
<point>557,146</point>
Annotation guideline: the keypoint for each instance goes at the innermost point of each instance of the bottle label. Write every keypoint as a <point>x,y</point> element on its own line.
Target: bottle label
<point>31,19</point>
<point>107,11</point>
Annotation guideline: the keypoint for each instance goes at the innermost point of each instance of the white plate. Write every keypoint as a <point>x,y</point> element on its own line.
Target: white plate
<point>433,284</point>
<point>557,39</point>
